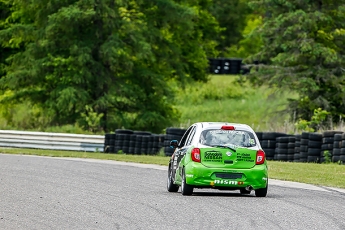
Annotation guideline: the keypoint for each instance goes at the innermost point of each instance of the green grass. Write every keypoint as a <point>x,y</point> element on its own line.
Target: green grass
<point>145,159</point>
<point>332,175</point>
<point>223,99</point>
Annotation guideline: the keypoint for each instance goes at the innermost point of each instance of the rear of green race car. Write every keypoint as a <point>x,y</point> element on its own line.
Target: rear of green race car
<point>225,168</point>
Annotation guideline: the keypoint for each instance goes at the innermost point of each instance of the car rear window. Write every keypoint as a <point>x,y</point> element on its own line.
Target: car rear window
<point>241,138</point>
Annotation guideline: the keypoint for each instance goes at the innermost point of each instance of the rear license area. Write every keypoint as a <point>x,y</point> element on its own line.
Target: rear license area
<point>242,158</point>
<point>229,175</point>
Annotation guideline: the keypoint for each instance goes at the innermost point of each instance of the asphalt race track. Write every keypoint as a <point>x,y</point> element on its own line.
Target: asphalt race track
<point>64,193</point>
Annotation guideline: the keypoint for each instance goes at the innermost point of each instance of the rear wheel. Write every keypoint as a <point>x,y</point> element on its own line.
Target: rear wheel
<point>261,192</point>
<point>170,183</point>
<point>186,189</point>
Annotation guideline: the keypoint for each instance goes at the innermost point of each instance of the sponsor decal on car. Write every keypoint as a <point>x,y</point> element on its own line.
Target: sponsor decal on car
<point>246,157</point>
<point>231,182</point>
<point>227,131</point>
<point>213,156</point>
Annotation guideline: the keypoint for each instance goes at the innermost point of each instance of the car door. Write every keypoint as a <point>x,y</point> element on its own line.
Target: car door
<point>182,149</point>
<point>178,151</point>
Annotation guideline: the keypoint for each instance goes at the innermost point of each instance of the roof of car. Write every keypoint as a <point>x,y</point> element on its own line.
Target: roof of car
<point>206,125</point>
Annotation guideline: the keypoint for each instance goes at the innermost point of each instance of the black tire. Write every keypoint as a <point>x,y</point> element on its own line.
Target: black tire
<point>337,137</point>
<point>342,151</point>
<point>303,155</point>
<point>331,133</point>
<point>327,140</point>
<point>337,144</point>
<point>269,144</point>
<point>336,152</point>
<point>142,133</point>
<point>243,191</point>
<point>261,192</point>
<point>282,145</point>
<point>272,135</point>
<point>281,151</point>
<point>171,187</point>
<point>327,147</point>
<point>314,144</point>
<point>298,137</point>
<point>335,159</point>
<point>313,159</point>
<point>291,151</point>
<point>304,141</point>
<point>123,131</point>
<point>282,139</point>
<point>297,149</point>
<point>292,139</point>
<point>281,157</point>
<point>269,152</point>
<point>303,148</point>
<point>315,136</point>
<point>314,152</point>
<point>186,189</point>
<point>175,131</point>
<point>305,135</point>
<point>291,145</point>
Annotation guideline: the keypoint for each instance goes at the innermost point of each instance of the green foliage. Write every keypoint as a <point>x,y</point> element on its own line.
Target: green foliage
<point>315,123</point>
<point>223,99</point>
<point>231,16</point>
<point>303,50</point>
<point>197,93</point>
<point>251,42</point>
<point>91,120</point>
<point>103,63</point>
<point>328,157</point>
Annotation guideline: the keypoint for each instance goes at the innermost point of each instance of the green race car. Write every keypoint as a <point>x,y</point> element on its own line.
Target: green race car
<point>219,155</point>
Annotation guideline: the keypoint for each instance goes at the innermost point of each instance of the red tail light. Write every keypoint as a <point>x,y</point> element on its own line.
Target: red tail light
<point>260,157</point>
<point>196,155</point>
<point>228,127</point>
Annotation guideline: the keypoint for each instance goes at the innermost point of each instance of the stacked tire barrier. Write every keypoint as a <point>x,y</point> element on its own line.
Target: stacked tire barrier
<point>172,134</point>
<point>328,145</point>
<point>342,150</point>
<point>304,147</point>
<point>133,142</point>
<point>268,142</point>
<point>281,151</point>
<point>303,154</point>
<point>314,147</point>
<point>337,145</point>
<point>297,155</point>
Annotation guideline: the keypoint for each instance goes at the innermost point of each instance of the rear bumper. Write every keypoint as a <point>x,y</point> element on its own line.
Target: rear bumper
<point>200,176</point>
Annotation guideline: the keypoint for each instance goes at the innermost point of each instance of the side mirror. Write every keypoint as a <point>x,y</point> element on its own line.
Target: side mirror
<point>174,144</point>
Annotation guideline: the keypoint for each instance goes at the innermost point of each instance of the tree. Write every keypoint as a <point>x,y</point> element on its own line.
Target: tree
<point>303,51</point>
<point>250,43</point>
<point>231,16</point>
<point>4,51</point>
<point>107,59</point>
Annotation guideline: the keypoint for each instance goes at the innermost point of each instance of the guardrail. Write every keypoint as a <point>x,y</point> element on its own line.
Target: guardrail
<point>53,141</point>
